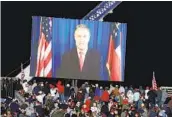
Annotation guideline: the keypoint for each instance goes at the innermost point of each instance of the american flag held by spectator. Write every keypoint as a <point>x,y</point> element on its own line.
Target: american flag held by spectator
<point>44,54</point>
<point>154,85</point>
<point>22,73</point>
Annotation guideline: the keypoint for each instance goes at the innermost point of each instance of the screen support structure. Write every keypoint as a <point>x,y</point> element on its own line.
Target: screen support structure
<point>98,13</point>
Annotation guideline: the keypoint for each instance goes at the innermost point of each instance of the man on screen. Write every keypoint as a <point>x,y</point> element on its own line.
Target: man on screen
<point>80,62</point>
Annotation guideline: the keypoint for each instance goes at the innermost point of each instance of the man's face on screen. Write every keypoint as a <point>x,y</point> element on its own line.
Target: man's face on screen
<point>82,37</point>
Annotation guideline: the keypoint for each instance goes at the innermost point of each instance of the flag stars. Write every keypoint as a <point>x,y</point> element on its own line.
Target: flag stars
<point>50,23</point>
<point>117,25</point>
<point>46,27</point>
<point>115,34</point>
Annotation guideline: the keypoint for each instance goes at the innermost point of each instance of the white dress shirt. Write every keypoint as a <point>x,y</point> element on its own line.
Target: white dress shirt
<point>40,98</point>
<point>25,86</point>
<point>53,92</point>
<point>130,96</point>
<point>94,109</point>
<point>136,96</point>
<point>146,93</point>
<point>121,89</point>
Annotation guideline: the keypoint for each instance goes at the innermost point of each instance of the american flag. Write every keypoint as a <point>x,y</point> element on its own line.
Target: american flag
<point>154,85</point>
<point>114,53</point>
<point>22,72</point>
<point>44,55</point>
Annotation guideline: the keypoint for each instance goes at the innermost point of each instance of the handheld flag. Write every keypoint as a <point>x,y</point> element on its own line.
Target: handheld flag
<point>154,84</point>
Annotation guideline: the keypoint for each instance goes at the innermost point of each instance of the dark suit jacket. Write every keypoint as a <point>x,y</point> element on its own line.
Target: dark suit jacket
<point>70,65</point>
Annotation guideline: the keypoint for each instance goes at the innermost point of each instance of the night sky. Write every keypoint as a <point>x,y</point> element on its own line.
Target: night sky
<point>149,35</point>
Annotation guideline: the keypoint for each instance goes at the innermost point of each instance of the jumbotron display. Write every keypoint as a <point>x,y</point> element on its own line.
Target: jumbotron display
<point>78,49</point>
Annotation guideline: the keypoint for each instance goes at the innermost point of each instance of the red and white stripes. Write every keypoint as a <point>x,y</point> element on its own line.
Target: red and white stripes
<point>44,58</point>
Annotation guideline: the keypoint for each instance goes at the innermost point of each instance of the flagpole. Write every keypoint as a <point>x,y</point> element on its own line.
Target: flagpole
<point>153,73</point>
<point>154,83</point>
<point>22,72</point>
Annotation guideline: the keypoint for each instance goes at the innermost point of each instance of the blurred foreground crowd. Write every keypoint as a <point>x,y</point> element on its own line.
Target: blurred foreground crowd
<point>42,99</point>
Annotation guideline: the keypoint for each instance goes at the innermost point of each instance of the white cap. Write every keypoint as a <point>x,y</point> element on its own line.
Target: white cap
<point>156,105</point>
<point>14,99</point>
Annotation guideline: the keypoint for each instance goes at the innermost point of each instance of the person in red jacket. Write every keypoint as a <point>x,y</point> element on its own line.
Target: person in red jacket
<point>125,101</point>
<point>85,108</point>
<point>60,88</point>
<point>88,102</point>
<point>105,95</point>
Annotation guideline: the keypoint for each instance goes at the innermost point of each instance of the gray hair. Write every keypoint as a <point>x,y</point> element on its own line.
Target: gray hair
<point>82,26</point>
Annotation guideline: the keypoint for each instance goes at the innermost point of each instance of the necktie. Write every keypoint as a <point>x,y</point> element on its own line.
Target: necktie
<point>81,61</point>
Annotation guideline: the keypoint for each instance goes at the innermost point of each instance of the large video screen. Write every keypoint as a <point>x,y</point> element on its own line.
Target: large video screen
<point>77,49</point>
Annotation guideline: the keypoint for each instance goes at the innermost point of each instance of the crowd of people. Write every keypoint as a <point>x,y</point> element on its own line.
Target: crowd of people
<point>7,86</point>
<point>43,99</point>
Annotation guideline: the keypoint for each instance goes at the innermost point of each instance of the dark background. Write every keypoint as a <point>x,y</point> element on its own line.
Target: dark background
<point>149,35</point>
